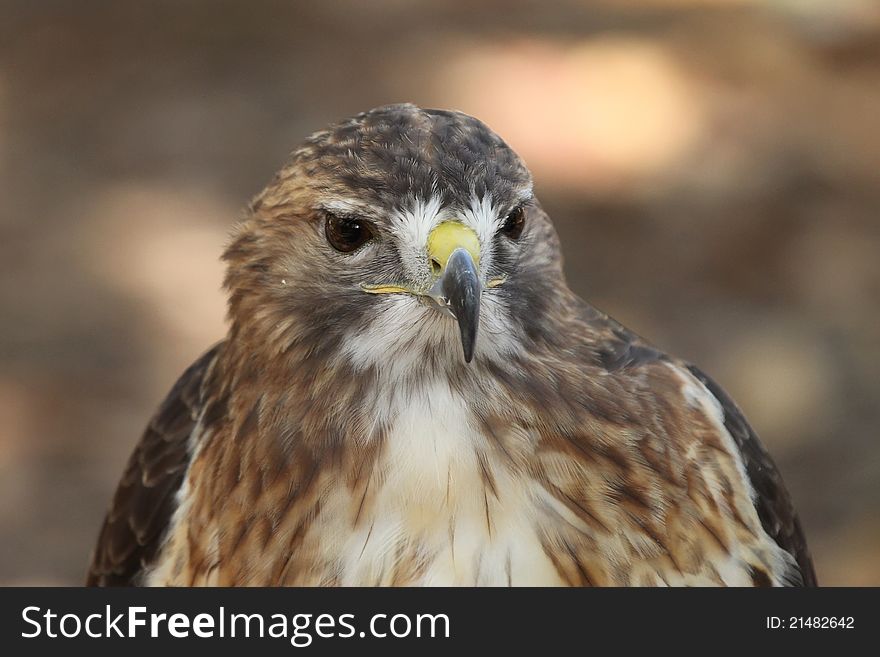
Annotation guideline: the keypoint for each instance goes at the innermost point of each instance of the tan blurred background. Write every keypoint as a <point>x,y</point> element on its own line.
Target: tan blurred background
<point>713,167</point>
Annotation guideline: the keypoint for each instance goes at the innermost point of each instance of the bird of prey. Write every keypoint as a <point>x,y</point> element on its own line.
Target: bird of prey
<point>410,394</point>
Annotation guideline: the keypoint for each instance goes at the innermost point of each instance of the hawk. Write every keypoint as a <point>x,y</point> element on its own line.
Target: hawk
<point>410,394</point>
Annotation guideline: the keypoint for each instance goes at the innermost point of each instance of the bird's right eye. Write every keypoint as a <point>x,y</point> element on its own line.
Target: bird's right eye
<point>514,223</point>
<point>346,234</point>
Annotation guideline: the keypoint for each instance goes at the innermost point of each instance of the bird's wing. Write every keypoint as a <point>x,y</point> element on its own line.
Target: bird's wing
<point>144,503</point>
<point>623,348</point>
<point>772,501</point>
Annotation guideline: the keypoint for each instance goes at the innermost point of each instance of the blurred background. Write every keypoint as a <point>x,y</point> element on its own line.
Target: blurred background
<point>713,167</point>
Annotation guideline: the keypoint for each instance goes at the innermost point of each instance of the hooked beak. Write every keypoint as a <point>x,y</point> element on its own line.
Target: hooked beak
<point>454,253</point>
<point>454,258</point>
<point>458,291</point>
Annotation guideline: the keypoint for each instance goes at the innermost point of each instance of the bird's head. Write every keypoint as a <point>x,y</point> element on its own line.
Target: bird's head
<point>400,233</point>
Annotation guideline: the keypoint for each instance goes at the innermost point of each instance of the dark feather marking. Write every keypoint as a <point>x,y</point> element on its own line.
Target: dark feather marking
<point>760,578</point>
<point>618,355</point>
<point>242,531</point>
<point>591,450</point>
<point>488,479</point>
<point>714,535</point>
<point>489,430</point>
<point>361,505</point>
<point>367,539</point>
<point>216,409</point>
<point>658,457</point>
<point>144,503</point>
<point>557,564</point>
<point>586,578</point>
<point>250,424</point>
<point>713,572</point>
<point>298,535</point>
<point>650,532</point>
<point>629,494</point>
<point>579,509</point>
<point>488,517</point>
<point>611,453</point>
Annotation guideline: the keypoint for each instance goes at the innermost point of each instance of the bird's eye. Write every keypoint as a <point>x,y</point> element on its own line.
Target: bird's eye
<point>346,234</point>
<point>514,223</point>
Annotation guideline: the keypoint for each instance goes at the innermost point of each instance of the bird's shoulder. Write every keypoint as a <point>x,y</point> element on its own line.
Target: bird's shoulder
<point>145,499</point>
<point>620,351</point>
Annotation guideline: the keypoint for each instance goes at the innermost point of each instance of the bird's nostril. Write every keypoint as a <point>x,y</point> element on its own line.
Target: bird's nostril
<point>436,267</point>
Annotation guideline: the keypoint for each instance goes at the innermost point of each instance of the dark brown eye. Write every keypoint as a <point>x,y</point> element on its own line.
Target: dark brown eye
<point>347,234</point>
<point>514,223</point>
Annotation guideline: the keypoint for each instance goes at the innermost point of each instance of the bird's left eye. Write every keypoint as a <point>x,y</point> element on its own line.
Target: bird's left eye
<point>346,234</point>
<point>514,223</point>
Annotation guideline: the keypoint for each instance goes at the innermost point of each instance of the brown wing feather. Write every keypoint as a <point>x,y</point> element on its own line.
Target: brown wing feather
<point>144,502</point>
<point>772,501</point>
<point>623,348</point>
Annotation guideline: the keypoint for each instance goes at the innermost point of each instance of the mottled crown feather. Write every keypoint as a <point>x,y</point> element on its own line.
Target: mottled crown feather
<point>392,154</point>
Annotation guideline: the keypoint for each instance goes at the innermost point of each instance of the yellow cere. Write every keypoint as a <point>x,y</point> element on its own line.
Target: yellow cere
<point>449,236</point>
